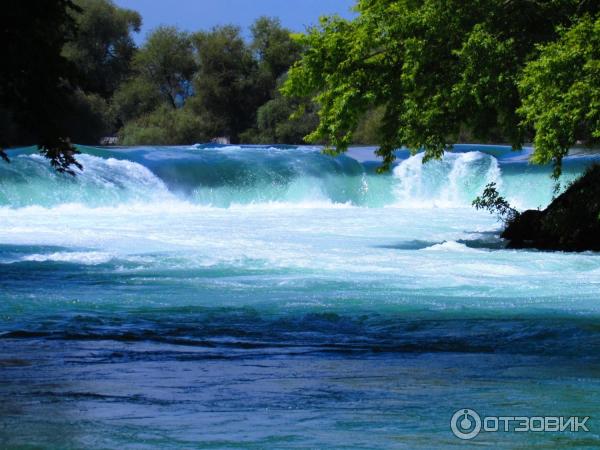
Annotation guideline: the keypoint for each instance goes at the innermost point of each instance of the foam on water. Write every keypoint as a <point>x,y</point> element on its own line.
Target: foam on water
<point>450,246</point>
<point>91,258</point>
<point>29,180</point>
<point>232,176</point>
<point>454,180</point>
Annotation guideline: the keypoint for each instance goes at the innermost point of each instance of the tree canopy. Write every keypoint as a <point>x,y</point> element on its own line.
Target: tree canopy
<point>421,74</point>
<point>62,61</point>
<point>36,80</point>
<point>103,47</point>
<point>437,69</point>
<point>561,91</point>
<point>167,63</point>
<point>224,84</point>
<point>213,83</point>
<point>77,75</point>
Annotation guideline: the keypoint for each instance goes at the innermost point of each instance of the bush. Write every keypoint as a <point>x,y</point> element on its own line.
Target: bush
<point>164,126</point>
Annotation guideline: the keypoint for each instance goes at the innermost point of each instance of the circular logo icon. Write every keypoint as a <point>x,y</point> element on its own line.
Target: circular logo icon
<point>465,424</point>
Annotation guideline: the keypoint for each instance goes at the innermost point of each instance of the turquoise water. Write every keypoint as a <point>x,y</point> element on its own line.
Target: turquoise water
<point>262,297</point>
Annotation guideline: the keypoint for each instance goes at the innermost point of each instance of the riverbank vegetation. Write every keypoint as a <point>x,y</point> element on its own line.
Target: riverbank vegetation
<point>73,73</point>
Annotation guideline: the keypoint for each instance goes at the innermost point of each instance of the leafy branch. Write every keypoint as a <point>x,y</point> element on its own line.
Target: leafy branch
<point>493,202</point>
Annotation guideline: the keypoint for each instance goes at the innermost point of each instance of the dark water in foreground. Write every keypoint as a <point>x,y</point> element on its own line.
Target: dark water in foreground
<point>276,298</point>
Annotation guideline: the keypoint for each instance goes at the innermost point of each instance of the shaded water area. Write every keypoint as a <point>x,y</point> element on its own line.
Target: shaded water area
<point>275,297</point>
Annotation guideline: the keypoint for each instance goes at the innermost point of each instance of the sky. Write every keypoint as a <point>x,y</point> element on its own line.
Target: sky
<point>194,15</point>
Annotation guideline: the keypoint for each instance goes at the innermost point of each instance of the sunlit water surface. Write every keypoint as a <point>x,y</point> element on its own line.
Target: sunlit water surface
<point>254,297</point>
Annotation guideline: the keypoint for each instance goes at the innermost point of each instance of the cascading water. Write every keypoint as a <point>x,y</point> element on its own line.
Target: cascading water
<point>30,181</point>
<point>225,176</point>
<point>454,180</point>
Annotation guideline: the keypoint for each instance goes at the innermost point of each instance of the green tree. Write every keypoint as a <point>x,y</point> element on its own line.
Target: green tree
<point>283,120</point>
<point>231,80</point>
<point>36,80</point>
<point>103,47</point>
<point>561,92</point>
<point>275,51</point>
<point>160,85</point>
<point>224,87</point>
<point>166,62</point>
<point>87,116</point>
<point>274,46</point>
<point>436,67</point>
<point>135,98</point>
<point>101,50</point>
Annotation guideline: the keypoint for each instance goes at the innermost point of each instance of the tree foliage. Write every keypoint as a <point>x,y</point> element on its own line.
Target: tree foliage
<point>148,103</point>
<point>235,78</point>
<point>216,76</point>
<point>275,51</point>
<point>416,73</point>
<point>81,59</point>
<point>561,92</point>
<point>367,130</point>
<point>36,80</point>
<point>135,98</point>
<point>62,61</point>
<point>164,126</point>
<point>224,83</point>
<point>437,68</point>
<point>274,47</point>
<point>102,51</point>
<point>283,120</point>
<point>166,62</point>
<point>493,202</point>
<point>103,48</point>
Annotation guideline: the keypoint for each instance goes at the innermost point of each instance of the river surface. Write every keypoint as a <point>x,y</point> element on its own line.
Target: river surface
<point>276,297</point>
